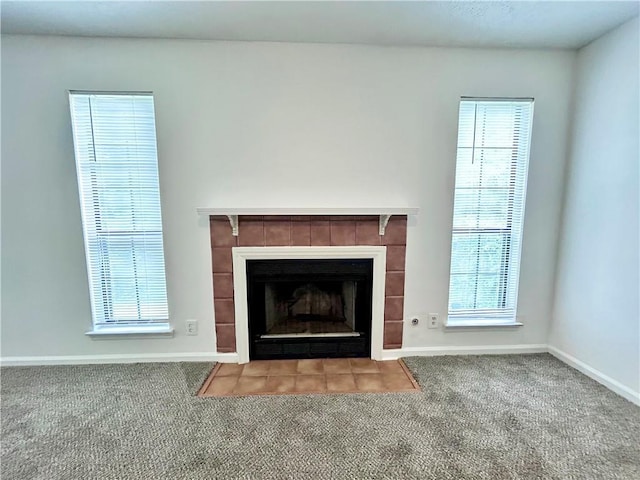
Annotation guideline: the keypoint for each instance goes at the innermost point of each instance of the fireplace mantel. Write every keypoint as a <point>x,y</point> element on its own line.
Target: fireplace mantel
<point>384,213</point>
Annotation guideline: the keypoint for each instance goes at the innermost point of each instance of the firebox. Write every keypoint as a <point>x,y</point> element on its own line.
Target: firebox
<point>309,308</point>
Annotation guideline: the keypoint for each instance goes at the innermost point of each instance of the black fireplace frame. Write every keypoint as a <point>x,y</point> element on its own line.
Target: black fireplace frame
<point>259,272</point>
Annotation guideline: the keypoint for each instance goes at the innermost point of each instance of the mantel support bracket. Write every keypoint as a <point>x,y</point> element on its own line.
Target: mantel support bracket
<point>384,220</point>
<point>233,220</point>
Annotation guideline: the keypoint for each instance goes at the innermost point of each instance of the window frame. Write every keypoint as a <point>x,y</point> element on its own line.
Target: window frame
<point>104,322</point>
<point>505,315</point>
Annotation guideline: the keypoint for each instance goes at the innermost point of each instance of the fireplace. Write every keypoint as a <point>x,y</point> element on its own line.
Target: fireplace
<point>309,308</point>
<point>241,236</point>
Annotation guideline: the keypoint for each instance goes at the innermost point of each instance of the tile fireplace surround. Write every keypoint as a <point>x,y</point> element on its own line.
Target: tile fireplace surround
<point>306,231</point>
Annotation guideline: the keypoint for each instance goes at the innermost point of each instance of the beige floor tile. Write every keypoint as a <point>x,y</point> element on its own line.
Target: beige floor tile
<point>395,381</point>
<point>250,385</point>
<point>336,365</point>
<point>310,383</point>
<point>369,382</point>
<point>390,366</point>
<point>258,368</point>
<point>341,383</point>
<point>283,367</point>
<point>363,365</point>
<point>229,369</point>
<point>281,384</point>
<point>310,367</point>
<point>221,385</point>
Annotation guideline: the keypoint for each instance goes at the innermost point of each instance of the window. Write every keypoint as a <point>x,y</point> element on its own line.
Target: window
<point>117,165</point>
<point>491,177</point>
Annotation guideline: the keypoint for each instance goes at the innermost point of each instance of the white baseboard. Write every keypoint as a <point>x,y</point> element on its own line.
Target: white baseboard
<point>462,350</point>
<point>124,358</point>
<point>596,375</point>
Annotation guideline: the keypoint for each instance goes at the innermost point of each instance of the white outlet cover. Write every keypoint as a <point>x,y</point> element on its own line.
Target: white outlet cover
<point>191,327</point>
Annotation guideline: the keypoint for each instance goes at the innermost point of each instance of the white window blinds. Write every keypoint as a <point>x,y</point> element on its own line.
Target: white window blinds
<point>116,159</point>
<point>490,186</point>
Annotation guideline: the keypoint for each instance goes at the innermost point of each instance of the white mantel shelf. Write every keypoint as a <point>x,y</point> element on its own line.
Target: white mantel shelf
<point>384,213</point>
<point>310,211</point>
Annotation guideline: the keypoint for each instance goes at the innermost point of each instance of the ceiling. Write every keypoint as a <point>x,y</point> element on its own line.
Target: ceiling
<point>534,24</point>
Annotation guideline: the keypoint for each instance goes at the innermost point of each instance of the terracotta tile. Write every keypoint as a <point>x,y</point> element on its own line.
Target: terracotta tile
<point>343,233</point>
<point>248,385</point>
<point>221,260</point>
<point>390,367</point>
<point>341,383</point>
<point>394,284</point>
<point>393,308</point>
<point>396,258</point>
<point>225,349</point>
<point>336,365</point>
<point>224,311</point>
<point>367,232</point>
<point>250,233</point>
<point>310,367</point>
<point>226,337</point>
<point>300,234</point>
<point>320,232</point>
<point>277,233</point>
<point>256,368</point>
<point>276,218</point>
<point>283,367</point>
<point>229,369</point>
<point>396,231</point>
<point>221,233</point>
<point>281,384</point>
<point>300,218</point>
<point>395,381</point>
<point>251,218</point>
<point>221,385</point>
<point>310,383</point>
<point>223,285</point>
<point>393,333</point>
<point>363,365</point>
<point>369,382</point>
<point>388,376</point>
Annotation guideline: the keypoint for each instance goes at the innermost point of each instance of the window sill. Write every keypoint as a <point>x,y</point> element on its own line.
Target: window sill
<point>459,324</point>
<point>133,331</point>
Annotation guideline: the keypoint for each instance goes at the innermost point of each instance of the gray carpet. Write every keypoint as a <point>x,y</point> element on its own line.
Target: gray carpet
<point>489,417</point>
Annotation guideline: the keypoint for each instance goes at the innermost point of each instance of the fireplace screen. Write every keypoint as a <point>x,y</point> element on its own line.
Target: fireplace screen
<point>310,308</point>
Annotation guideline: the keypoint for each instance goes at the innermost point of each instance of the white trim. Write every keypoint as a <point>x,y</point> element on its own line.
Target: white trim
<point>392,354</point>
<point>120,332</point>
<point>596,375</point>
<point>242,254</point>
<point>463,350</point>
<point>458,324</point>
<point>309,211</point>
<point>124,358</point>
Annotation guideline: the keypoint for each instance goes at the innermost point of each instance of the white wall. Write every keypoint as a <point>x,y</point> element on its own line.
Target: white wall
<point>238,125</point>
<point>597,313</point>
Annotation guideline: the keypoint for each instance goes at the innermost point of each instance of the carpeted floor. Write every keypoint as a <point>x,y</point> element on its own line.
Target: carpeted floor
<point>489,417</point>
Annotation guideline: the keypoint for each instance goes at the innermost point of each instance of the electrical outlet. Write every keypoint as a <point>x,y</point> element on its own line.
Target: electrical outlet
<point>191,327</point>
<point>433,321</point>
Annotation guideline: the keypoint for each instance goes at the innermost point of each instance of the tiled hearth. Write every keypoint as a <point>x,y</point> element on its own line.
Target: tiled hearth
<point>282,377</point>
<point>282,230</point>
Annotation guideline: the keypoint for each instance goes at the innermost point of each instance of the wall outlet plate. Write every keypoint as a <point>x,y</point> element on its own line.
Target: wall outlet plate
<point>433,321</point>
<point>191,327</point>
